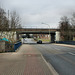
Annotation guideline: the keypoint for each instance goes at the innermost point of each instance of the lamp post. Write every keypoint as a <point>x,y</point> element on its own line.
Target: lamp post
<point>48,26</point>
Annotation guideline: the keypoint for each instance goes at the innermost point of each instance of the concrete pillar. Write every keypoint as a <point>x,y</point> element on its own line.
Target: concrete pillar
<point>15,36</point>
<point>52,37</point>
<point>22,40</point>
<point>57,36</point>
<point>49,37</point>
<point>2,46</point>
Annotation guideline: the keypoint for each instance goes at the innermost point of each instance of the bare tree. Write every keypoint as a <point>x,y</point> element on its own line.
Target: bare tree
<point>4,26</point>
<point>3,20</point>
<point>73,21</point>
<point>15,20</point>
<point>2,15</point>
<point>65,30</point>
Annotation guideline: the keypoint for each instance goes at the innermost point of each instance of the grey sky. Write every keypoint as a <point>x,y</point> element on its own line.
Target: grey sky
<point>34,12</point>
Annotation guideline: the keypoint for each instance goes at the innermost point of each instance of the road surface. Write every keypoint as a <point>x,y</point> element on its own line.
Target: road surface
<point>61,58</point>
<point>29,41</point>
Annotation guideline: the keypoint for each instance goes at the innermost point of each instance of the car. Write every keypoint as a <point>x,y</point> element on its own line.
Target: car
<point>39,41</point>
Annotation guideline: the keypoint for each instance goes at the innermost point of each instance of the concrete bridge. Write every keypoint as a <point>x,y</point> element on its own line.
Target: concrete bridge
<point>14,35</point>
<point>36,31</point>
<point>54,33</point>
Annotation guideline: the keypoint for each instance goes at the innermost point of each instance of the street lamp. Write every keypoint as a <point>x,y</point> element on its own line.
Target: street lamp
<point>48,26</point>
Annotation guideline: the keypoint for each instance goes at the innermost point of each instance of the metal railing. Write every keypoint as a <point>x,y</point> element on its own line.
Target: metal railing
<point>66,42</point>
<point>17,45</point>
<point>9,47</point>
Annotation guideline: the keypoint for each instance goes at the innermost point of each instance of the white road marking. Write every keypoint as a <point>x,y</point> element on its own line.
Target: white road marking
<point>57,48</point>
<point>71,53</point>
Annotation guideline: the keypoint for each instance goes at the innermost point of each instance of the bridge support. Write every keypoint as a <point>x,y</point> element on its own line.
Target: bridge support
<point>52,37</point>
<point>57,36</point>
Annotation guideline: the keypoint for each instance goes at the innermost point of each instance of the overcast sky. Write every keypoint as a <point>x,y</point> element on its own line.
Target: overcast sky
<point>34,12</point>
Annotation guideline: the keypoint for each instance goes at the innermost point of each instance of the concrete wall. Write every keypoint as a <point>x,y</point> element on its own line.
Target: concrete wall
<point>2,46</point>
<point>11,35</point>
<point>73,38</point>
<point>57,36</point>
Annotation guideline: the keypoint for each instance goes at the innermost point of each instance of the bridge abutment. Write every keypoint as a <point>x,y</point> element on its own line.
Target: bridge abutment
<point>57,36</point>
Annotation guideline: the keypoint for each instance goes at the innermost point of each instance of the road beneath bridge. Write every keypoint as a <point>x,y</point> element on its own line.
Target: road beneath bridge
<point>51,32</point>
<point>61,58</point>
<point>27,60</point>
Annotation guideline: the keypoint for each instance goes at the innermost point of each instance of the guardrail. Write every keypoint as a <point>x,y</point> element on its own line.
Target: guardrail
<point>66,42</point>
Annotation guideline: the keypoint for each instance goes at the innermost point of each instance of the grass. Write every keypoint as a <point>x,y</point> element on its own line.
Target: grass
<point>44,40</point>
<point>74,39</point>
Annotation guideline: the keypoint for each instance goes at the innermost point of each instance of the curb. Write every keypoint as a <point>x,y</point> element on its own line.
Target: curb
<point>65,45</point>
<point>50,67</point>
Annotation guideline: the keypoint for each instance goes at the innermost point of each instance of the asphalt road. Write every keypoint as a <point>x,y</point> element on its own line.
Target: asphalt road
<point>29,41</point>
<point>61,58</point>
<point>27,60</point>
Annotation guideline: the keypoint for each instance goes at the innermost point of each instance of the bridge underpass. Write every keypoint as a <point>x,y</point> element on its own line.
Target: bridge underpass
<point>51,34</point>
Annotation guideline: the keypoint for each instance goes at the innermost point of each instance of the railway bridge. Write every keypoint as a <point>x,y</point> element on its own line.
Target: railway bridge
<point>54,33</point>
<point>14,35</point>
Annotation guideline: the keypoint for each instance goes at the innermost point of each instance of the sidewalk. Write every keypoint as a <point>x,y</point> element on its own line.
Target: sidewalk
<point>35,63</point>
<point>66,45</point>
<point>26,61</point>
